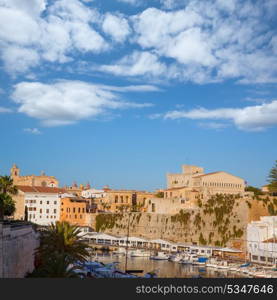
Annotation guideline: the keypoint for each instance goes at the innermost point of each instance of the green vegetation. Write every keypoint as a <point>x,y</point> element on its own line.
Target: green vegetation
<point>182,217</point>
<point>159,195</point>
<point>255,190</point>
<point>7,189</point>
<point>248,204</point>
<point>60,249</point>
<point>104,221</point>
<point>272,179</point>
<point>202,241</point>
<point>219,210</point>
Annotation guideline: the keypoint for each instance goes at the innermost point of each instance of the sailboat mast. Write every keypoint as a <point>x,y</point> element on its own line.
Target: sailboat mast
<point>127,241</point>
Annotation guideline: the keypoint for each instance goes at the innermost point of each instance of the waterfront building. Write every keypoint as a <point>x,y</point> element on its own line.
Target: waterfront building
<point>77,190</point>
<point>159,244</point>
<point>33,180</point>
<point>119,200</point>
<point>193,177</point>
<point>75,210</point>
<point>93,193</point>
<point>40,205</point>
<point>262,240</point>
<point>168,205</point>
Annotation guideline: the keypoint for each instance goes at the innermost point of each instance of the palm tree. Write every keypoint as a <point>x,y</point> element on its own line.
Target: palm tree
<point>6,189</point>
<point>60,248</point>
<point>56,267</point>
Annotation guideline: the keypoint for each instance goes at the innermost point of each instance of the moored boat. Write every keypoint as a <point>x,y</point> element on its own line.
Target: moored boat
<point>160,256</point>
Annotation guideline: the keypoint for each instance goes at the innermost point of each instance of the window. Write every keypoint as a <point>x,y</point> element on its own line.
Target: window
<point>47,202</point>
<point>55,211</point>
<point>262,258</point>
<point>254,257</point>
<point>74,209</point>
<point>47,211</point>
<point>40,211</point>
<point>40,202</point>
<point>75,216</point>
<point>79,210</point>
<point>55,202</point>
<point>83,210</point>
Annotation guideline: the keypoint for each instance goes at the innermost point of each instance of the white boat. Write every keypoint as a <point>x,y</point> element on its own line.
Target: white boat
<point>160,256</point>
<point>176,257</point>
<point>222,265</point>
<point>120,251</point>
<point>189,259</point>
<point>139,253</point>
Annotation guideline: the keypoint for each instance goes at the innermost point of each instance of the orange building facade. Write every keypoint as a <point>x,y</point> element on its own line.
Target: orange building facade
<point>74,211</point>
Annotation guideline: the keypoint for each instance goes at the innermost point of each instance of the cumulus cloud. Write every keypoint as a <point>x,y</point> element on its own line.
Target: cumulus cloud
<point>250,118</point>
<point>211,41</point>
<point>136,64</point>
<point>35,131</point>
<point>116,26</point>
<point>66,102</point>
<point>54,36</point>
<point>185,40</point>
<point>18,59</point>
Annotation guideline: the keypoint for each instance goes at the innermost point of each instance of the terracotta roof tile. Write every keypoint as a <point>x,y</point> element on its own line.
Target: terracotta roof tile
<point>40,189</point>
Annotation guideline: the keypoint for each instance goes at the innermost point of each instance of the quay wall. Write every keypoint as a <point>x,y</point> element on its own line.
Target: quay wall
<point>17,245</point>
<point>221,222</point>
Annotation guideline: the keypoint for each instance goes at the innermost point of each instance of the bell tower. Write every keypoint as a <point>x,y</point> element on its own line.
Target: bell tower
<point>15,171</point>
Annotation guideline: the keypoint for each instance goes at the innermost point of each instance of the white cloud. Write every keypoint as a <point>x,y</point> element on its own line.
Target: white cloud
<point>32,130</point>
<point>66,102</point>
<point>5,110</point>
<point>187,40</point>
<point>213,125</point>
<point>250,118</point>
<point>65,26</point>
<point>30,7</point>
<point>116,26</point>
<point>209,42</point>
<point>136,64</point>
<point>131,88</point>
<point>19,59</point>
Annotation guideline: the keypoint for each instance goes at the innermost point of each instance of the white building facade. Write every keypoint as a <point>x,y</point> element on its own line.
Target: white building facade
<point>42,204</point>
<point>262,241</point>
<point>93,193</point>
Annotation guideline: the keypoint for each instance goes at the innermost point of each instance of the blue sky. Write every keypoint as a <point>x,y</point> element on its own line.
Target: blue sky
<point>122,92</point>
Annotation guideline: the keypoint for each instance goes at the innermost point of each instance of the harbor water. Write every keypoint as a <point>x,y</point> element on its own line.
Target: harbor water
<point>164,268</point>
